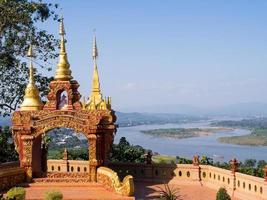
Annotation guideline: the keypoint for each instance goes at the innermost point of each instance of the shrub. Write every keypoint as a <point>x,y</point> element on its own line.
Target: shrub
<point>222,194</point>
<point>53,195</point>
<point>169,193</point>
<point>17,193</point>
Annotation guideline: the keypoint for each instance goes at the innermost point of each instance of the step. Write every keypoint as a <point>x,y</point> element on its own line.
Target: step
<point>61,180</point>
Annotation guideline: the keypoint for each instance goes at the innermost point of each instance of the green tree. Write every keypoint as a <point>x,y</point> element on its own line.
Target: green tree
<point>125,152</point>
<point>18,28</point>
<point>7,150</point>
<point>261,163</point>
<point>250,163</point>
<point>181,160</point>
<point>206,160</point>
<point>222,194</point>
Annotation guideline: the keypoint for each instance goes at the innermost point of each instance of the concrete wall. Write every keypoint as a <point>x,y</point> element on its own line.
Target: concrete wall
<point>238,185</point>
<point>67,166</point>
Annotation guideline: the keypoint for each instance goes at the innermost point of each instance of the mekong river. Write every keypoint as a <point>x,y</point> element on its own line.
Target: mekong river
<point>204,145</point>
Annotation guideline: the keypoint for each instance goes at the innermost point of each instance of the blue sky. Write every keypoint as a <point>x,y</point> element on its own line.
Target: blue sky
<point>155,52</point>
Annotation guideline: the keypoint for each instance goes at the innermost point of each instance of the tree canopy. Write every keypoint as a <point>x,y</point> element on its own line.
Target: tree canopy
<point>19,21</point>
<point>7,150</point>
<point>125,152</point>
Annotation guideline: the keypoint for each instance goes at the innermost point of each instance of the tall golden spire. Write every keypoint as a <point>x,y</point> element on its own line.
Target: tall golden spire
<point>96,101</point>
<point>31,100</point>
<point>63,71</point>
<point>96,95</point>
<point>96,82</point>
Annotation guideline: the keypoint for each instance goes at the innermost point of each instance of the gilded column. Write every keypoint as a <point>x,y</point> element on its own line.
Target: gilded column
<point>92,156</point>
<point>27,142</point>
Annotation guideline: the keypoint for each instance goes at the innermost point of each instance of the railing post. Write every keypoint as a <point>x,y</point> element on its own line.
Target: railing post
<point>148,167</point>
<point>149,158</point>
<point>65,166</point>
<point>234,165</point>
<point>196,163</point>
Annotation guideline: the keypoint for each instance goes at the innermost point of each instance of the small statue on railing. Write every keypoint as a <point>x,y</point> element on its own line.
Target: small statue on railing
<point>65,154</point>
<point>196,160</point>
<point>149,158</point>
<point>234,165</point>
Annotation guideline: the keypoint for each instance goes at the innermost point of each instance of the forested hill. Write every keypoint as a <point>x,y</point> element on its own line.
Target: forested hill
<point>245,123</point>
<point>134,119</point>
<point>258,127</point>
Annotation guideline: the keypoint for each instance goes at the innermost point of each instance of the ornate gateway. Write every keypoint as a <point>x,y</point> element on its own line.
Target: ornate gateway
<point>94,118</point>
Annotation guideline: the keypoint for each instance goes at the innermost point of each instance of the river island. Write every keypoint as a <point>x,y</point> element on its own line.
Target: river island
<point>181,133</point>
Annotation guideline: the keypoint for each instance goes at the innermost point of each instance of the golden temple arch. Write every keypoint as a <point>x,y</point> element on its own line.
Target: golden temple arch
<point>94,118</point>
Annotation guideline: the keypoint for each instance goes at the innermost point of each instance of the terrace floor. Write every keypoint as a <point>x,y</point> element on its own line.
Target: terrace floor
<point>94,191</point>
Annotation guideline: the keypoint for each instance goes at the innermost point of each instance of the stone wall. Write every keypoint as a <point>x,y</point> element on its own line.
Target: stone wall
<point>67,166</point>
<point>238,185</point>
<point>11,175</point>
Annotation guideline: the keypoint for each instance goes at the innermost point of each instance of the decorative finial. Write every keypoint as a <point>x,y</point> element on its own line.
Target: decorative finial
<point>63,71</point>
<point>31,100</point>
<point>30,52</point>
<point>31,69</point>
<point>61,26</point>
<point>96,82</point>
<point>95,51</point>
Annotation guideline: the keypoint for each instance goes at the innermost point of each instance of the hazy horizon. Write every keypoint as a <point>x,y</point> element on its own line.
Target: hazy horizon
<point>198,53</point>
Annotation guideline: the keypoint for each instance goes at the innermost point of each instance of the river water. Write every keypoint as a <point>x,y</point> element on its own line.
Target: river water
<point>204,145</point>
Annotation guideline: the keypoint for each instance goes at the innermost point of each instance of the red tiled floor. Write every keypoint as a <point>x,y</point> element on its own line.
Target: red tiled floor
<point>93,191</point>
<point>73,192</point>
<point>187,191</point>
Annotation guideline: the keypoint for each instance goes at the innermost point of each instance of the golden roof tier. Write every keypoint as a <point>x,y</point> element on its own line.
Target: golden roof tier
<point>63,71</point>
<point>96,101</point>
<point>31,100</point>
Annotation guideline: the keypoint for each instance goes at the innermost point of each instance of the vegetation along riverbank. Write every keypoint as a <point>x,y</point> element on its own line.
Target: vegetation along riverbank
<point>180,133</point>
<point>257,137</point>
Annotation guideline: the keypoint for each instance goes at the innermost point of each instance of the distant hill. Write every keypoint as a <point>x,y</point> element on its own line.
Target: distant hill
<point>161,114</point>
<point>241,110</point>
<point>135,118</point>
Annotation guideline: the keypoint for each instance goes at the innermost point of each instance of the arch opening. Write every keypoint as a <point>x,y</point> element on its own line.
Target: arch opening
<point>59,150</point>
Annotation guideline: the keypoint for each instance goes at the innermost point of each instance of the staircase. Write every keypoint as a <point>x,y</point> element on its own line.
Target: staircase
<point>63,177</point>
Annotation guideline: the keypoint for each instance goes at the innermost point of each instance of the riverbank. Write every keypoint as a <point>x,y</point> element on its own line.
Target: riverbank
<point>181,133</point>
<point>257,137</point>
<point>252,140</point>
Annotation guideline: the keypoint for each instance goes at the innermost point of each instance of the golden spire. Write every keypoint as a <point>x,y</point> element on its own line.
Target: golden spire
<point>63,71</point>
<point>31,100</point>
<point>96,95</point>
<point>96,102</point>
